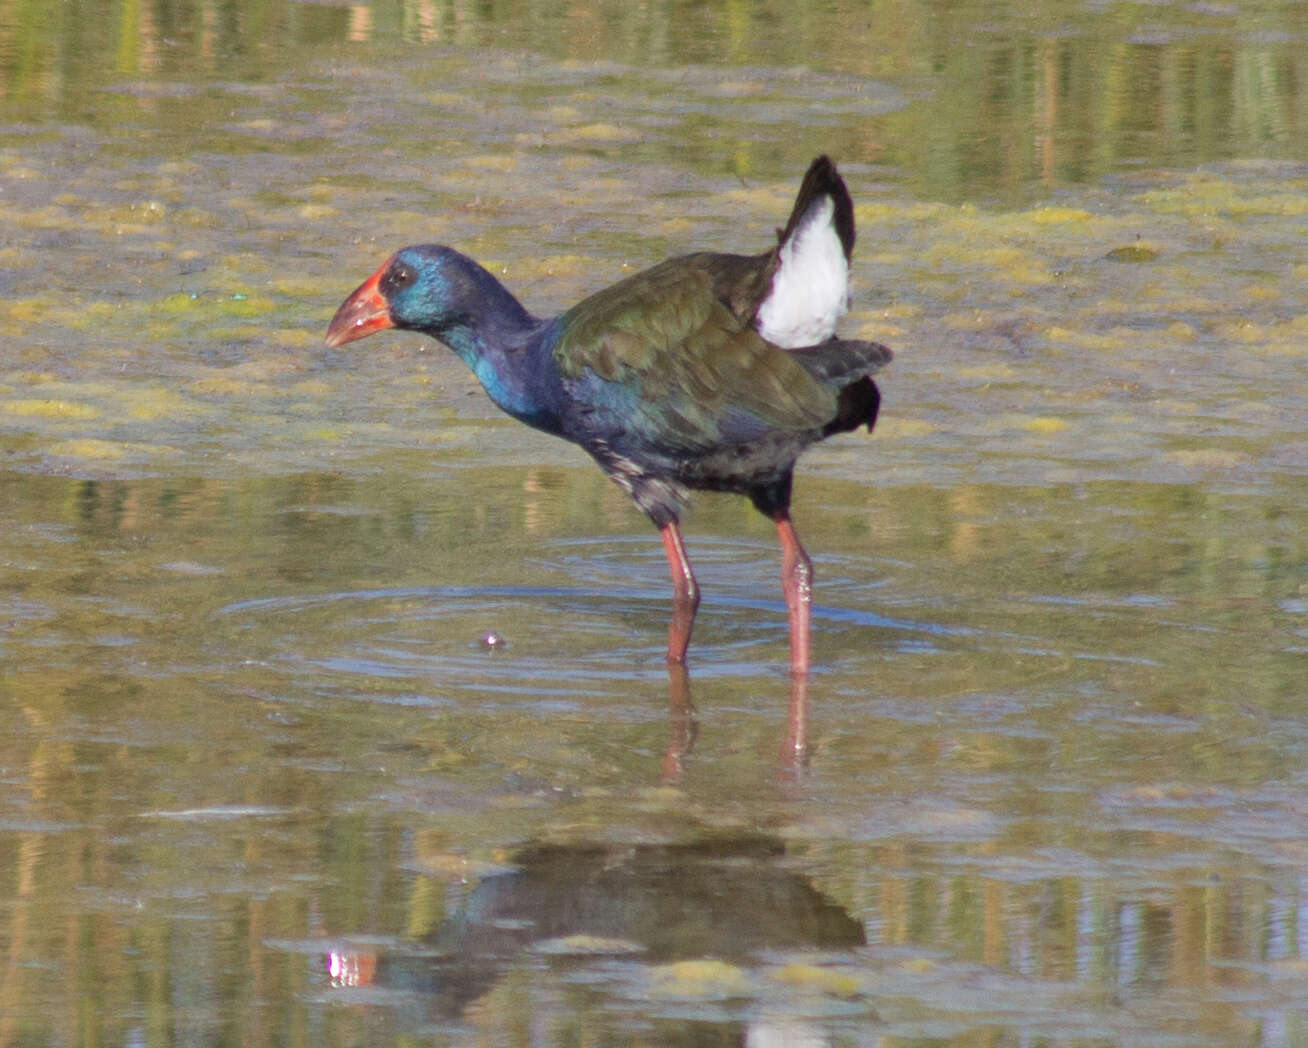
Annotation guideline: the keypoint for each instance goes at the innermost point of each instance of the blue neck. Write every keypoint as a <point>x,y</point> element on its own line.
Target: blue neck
<point>500,342</point>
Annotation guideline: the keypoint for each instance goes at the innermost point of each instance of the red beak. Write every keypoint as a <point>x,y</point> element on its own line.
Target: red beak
<point>361,314</point>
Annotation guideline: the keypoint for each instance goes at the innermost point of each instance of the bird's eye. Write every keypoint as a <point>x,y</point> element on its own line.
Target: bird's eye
<point>401,276</point>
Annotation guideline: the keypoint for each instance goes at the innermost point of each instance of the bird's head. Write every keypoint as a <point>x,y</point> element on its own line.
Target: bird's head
<point>421,288</point>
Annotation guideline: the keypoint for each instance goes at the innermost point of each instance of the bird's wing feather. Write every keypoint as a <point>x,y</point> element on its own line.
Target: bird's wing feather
<point>666,349</point>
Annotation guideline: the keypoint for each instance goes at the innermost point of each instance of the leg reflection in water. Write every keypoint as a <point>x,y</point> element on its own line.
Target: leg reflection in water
<point>683,726</point>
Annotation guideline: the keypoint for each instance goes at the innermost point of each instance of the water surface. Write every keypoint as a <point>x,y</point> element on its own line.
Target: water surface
<point>262,779</point>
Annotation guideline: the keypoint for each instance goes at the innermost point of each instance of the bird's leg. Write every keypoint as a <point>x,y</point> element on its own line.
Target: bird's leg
<point>797,583</point>
<point>685,592</point>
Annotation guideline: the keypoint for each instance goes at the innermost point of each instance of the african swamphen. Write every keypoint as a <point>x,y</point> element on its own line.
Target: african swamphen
<point>708,371</point>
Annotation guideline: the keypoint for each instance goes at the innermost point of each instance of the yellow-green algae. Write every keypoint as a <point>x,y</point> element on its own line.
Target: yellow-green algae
<point>704,979</point>
<point>833,981</point>
<point>993,313</point>
<point>59,409</point>
<point>582,945</point>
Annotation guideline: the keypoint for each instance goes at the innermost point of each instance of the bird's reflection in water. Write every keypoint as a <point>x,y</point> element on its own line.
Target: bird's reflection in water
<point>590,909</point>
<point>585,908</point>
<point>683,727</point>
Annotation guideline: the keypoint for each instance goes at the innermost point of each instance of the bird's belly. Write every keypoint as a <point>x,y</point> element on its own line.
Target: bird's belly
<point>741,467</point>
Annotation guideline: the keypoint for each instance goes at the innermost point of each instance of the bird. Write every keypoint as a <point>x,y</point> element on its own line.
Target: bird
<point>706,372</point>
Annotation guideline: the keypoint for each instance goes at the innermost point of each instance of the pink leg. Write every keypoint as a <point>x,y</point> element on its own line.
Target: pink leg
<point>797,583</point>
<point>685,593</point>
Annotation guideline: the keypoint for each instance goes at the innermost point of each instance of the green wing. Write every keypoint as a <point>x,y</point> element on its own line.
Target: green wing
<point>668,347</point>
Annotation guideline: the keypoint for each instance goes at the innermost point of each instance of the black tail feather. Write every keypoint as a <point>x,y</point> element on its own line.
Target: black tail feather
<point>822,179</point>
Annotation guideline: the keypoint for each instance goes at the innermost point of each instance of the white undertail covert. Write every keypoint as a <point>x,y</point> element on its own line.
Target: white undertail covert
<point>810,289</point>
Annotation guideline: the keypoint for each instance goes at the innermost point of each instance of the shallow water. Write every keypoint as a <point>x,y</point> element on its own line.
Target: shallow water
<point>264,780</point>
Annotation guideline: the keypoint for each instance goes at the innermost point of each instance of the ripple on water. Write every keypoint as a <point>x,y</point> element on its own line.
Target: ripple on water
<point>438,631</point>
